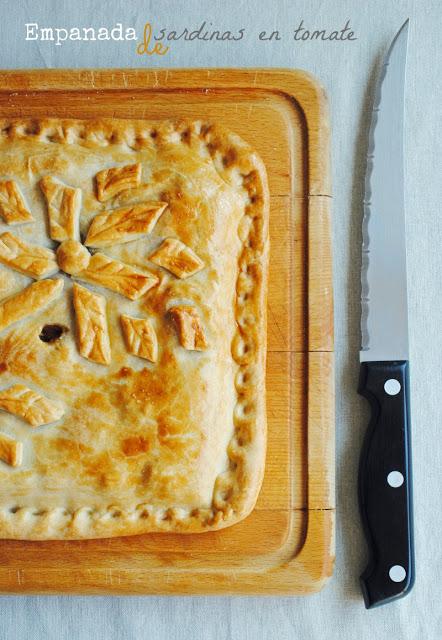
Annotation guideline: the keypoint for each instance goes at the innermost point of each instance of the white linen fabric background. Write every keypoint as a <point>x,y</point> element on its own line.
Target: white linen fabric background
<point>348,71</point>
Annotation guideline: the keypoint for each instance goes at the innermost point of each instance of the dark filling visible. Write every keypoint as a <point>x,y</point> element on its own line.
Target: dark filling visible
<point>52,332</point>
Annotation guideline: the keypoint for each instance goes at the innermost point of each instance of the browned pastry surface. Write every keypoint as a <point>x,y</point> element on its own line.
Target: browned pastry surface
<point>133,331</point>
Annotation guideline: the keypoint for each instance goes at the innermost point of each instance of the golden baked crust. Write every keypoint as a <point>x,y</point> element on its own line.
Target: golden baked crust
<point>189,327</point>
<point>92,331</point>
<point>11,451</point>
<point>140,337</point>
<point>118,276</point>
<point>124,225</point>
<point>63,203</point>
<point>111,182</point>
<point>27,258</point>
<point>140,363</point>
<point>30,405</point>
<point>174,256</point>
<point>29,301</point>
<point>12,206</point>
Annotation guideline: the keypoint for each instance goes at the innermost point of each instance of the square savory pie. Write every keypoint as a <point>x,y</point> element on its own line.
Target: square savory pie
<point>133,268</point>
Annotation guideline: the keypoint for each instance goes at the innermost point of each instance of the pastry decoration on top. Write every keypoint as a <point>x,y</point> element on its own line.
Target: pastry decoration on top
<point>112,227</point>
<point>108,228</point>
<point>12,205</point>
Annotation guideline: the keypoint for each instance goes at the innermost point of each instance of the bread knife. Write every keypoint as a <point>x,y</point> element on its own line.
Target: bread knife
<point>385,483</point>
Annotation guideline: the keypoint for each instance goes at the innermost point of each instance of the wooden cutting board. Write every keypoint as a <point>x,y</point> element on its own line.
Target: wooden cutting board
<point>286,546</point>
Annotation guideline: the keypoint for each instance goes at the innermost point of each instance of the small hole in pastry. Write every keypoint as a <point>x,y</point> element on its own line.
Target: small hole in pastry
<point>247,408</point>
<point>243,378</point>
<point>52,332</point>
<point>229,158</point>
<point>226,494</point>
<point>153,134</point>
<point>14,509</point>
<point>31,129</point>
<point>246,320</point>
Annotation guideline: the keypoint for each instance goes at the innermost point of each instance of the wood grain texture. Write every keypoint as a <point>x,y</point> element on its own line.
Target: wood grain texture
<point>286,546</point>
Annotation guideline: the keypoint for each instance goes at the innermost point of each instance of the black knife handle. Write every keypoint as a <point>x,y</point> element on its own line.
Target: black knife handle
<point>385,483</point>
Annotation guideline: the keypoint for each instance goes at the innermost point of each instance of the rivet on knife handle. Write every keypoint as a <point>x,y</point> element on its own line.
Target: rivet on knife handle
<point>385,498</point>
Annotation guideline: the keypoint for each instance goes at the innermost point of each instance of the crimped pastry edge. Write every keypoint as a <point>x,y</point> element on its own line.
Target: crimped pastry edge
<point>236,490</point>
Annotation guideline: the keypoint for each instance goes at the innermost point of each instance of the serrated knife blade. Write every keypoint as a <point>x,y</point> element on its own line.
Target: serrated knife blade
<point>384,320</point>
<point>385,465</point>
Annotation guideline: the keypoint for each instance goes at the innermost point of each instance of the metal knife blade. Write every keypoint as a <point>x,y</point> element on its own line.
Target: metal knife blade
<point>385,464</point>
<point>384,321</point>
